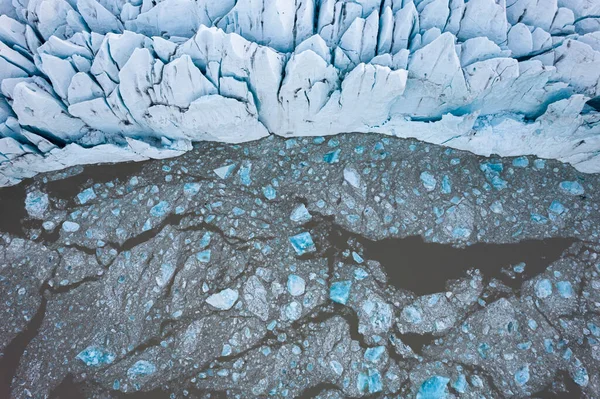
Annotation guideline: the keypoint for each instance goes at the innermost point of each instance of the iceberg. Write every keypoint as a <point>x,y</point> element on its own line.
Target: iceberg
<point>95,81</point>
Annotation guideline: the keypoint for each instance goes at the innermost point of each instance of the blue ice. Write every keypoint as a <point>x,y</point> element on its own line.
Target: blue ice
<point>141,368</point>
<point>160,209</point>
<point>86,195</point>
<point>572,187</point>
<point>303,243</point>
<point>428,180</point>
<point>434,388</point>
<point>95,356</point>
<point>340,291</point>
<point>295,285</point>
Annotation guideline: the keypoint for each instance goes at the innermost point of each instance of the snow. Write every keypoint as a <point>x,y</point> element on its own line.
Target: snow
<point>111,80</point>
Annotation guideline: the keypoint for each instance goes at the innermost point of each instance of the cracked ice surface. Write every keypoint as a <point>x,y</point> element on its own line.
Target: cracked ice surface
<point>92,81</point>
<point>188,278</point>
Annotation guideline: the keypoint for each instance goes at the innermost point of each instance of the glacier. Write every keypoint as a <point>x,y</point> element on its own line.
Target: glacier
<point>92,81</point>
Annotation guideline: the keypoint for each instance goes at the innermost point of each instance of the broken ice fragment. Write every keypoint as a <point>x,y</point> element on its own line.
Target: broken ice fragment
<point>336,367</point>
<point>375,384</point>
<point>300,214</point>
<point>203,256</point>
<point>434,388</point>
<point>191,189</point>
<point>519,267</point>
<point>293,311</point>
<point>244,174</point>
<point>160,209</point>
<point>497,207</point>
<point>296,285</point>
<point>412,315</point>
<point>352,177</point>
<point>492,171</point>
<point>255,296</point>
<point>428,180</point>
<point>166,272</point>
<point>340,291</point>
<point>141,368</point>
<point>556,207</point>
<point>205,240</point>
<point>36,203</point>
<point>461,232</point>
<point>86,195</point>
<point>543,288</point>
<point>522,375</point>
<point>226,351</point>
<point>223,300</point>
<point>520,162</point>
<point>269,192</point>
<point>370,380</point>
<point>302,243</point>
<point>95,356</point>
<point>360,274</point>
<point>373,354</point>
<point>572,187</point>
<point>460,385</point>
<point>565,289</point>
<point>238,211</point>
<point>446,185</point>
<point>539,219</point>
<point>580,374</point>
<point>224,171</point>
<point>332,157</point>
<point>357,258</point>
<point>70,227</point>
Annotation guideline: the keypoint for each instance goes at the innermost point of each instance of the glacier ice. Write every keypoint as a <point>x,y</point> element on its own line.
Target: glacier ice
<point>97,81</point>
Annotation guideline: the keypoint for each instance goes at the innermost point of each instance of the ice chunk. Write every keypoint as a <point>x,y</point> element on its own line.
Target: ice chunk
<point>543,288</point>
<point>293,310</point>
<point>255,296</point>
<point>412,315</point>
<point>520,162</point>
<point>86,195</point>
<point>223,300</point>
<point>141,368</point>
<point>160,209</point>
<point>428,180</point>
<point>295,285</point>
<point>434,388</point>
<point>225,171</point>
<point>373,354</point>
<point>95,356</point>
<point>70,227</point>
<point>36,204</point>
<point>556,207</point>
<point>269,192</point>
<point>572,187</point>
<point>352,177</point>
<point>580,374</point>
<point>565,289</point>
<point>300,214</point>
<point>191,189</point>
<point>303,243</point>
<point>336,367</point>
<point>332,157</point>
<point>203,256</point>
<point>340,291</point>
<point>522,375</point>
